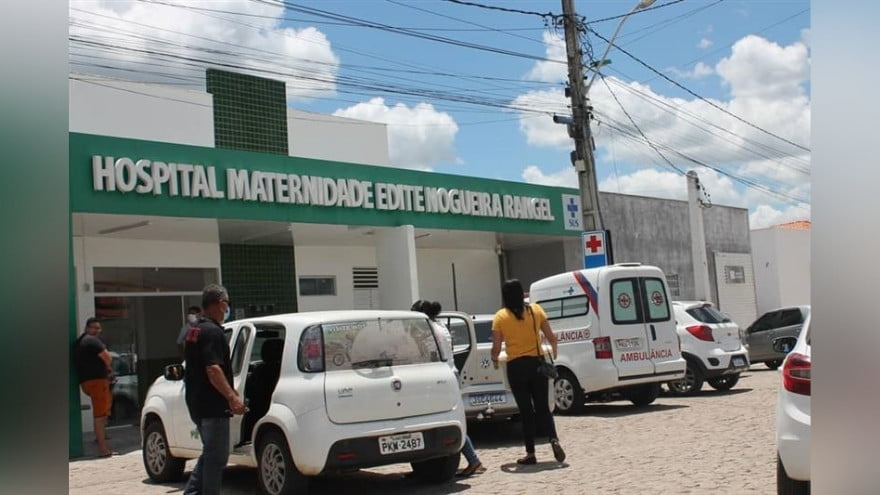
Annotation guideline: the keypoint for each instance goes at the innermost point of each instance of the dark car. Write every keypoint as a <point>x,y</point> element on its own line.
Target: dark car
<point>782,322</point>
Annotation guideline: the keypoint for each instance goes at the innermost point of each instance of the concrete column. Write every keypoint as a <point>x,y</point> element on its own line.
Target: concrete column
<point>397,266</point>
<point>702,291</point>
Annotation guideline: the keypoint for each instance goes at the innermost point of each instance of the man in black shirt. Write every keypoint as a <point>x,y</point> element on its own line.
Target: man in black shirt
<point>210,396</point>
<point>92,362</point>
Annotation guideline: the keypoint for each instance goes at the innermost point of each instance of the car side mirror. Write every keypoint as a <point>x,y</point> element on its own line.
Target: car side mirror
<point>784,344</point>
<point>174,372</point>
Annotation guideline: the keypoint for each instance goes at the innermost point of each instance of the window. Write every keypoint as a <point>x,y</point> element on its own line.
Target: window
<point>766,322</point>
<point>707,314</point>
<point>655,299</point>
<point>623,301</point>
<point>461,339</point>
<point>238,351</point>
<point>317,286</point>
<point>483,329</point>
<point>265,331</point>
<point>311,354</point>
<point>734,274</point>
<point>566,307</point>
<point>791,317</point>
<point>396,342</point>
<point>673,284</point>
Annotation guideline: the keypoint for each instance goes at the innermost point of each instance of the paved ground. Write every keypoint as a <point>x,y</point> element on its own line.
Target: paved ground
<point>715,442</point>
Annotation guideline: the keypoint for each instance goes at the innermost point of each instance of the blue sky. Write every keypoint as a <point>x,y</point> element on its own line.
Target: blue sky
<point>750,58</point>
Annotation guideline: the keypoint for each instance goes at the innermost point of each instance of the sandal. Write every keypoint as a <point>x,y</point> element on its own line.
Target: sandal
<point>472,469</point>
<point>107,454</point>
<point>558,453</point>
<point>528,459</point>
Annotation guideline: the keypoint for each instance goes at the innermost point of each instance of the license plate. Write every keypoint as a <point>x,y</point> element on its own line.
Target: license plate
<point>633,343</point>
<point>739,361</point>
<point>483,399</point>
<point>404,442</point>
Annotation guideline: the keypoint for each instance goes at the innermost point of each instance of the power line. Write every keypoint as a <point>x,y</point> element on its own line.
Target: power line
<point>636,12</point>
<point>544,15</point>
<point>692,93</point>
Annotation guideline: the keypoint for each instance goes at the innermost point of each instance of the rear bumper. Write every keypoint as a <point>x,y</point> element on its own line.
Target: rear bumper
<point>363,452</point>
<point>726,365</point>
<point>473,399</point>
<point>793,434</point>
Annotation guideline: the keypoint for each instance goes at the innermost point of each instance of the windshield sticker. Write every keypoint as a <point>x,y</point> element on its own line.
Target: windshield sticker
<point>624,300</point>
<point>657,298</point>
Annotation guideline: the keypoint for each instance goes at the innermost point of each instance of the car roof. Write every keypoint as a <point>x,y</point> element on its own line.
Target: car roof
<point>310,318</point>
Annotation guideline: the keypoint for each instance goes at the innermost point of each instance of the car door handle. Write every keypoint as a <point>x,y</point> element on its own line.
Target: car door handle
<point>653,333</point>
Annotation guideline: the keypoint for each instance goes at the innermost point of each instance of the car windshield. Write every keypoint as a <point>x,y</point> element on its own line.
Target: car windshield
<point>707,314</point>
<point>377,343</point>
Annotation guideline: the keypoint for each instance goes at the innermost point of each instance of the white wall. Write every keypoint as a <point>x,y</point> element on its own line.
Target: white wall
<point>793,261</point>
<point>331,261</point>
<point>326,137</point>
<point>140,111</point>
<point>478,281</point>
<point>764,260</point>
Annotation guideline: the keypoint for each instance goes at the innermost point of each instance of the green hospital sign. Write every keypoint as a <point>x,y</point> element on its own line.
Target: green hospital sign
<point>127,176</point>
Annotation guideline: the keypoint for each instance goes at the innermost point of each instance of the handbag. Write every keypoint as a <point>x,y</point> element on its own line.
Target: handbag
<point>545,362</point>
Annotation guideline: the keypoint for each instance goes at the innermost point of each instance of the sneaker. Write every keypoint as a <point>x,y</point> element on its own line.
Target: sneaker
<point>528,459</point>
<point>558,453</point>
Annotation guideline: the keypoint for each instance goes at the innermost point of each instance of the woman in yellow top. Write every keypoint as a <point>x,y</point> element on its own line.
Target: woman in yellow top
<point>517,324</point>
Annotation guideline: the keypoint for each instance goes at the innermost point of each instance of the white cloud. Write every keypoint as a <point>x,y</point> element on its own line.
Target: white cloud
<point>766,216</point>
<point>704,43</point>
<point>131,29</point>
<point>672,185</point>
<point>699,71</point>
<point>539,129</point>
<point>551,71</point>
<point>418,136</point>
<point>567,177</point>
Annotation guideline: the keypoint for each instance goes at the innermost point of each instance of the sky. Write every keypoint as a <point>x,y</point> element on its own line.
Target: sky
<point>721,87</point>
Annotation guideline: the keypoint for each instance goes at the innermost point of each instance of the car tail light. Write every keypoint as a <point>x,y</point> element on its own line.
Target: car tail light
<point>603,347</point>
<point>701,332</point>
<point>311,350</point>
<point>796,373</point>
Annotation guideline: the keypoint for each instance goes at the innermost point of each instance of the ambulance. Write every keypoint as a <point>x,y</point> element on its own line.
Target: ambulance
<point>616,334</point>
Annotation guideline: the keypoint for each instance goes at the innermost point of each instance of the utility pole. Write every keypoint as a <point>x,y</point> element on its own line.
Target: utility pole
<point>698,239</point>
<point>579,128</point>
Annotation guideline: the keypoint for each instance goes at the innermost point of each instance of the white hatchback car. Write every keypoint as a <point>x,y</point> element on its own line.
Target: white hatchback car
<point>711,344</point>
<point>328,391</point>
<point>793,415</point>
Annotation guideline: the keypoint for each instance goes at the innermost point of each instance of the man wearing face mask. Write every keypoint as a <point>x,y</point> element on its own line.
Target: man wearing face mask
<point>210,396</point>
<point>193,315</point>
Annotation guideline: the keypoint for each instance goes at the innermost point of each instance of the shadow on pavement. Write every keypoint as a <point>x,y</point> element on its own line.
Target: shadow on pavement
<point>618,410</point>
<point>514,468</point>
<point>710,392</point>
<point>122,439</point>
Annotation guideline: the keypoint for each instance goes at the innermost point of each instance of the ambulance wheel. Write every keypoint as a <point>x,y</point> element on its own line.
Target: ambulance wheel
<point>690,384</point>
<point>723,382</point>
<point>773,364</point>
<point>568,392</point>
<point>643,395</point>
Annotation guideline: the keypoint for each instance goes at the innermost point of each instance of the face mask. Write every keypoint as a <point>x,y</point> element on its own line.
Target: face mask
<point>192,319</point>
<point>226,314</point>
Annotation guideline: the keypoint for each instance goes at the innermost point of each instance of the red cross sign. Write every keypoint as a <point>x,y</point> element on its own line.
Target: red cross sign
<point>594,249</point>
<point>595,245</point>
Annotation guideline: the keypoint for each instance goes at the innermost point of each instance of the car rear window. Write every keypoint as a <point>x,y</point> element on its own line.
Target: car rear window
<point>483,330</point>
<point>706,314</point>
<point>375,343</point>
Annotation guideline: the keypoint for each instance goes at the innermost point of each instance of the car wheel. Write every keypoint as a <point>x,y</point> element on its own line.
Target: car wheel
<point>568,393</point>
<point>723,382</point>
<point>160,465</point>
<point>276,472</point>
<point>439,470</point>
<point>786,485</point>
<point>643,395</point>
<point>690,384</point>
<point>773,364</point>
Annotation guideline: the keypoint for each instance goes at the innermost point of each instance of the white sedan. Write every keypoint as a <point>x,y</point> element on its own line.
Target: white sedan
<point>793,415</point>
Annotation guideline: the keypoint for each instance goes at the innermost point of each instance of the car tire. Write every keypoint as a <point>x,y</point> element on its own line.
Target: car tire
<point>643,395</point>
<point>160,465</point>
<point>786,485</point>
<point>690,384</point>
<point>773,364</point>
<point>439,470</point>
<point>276,472</point>
<point>723,382</point>
<point>568,393</point>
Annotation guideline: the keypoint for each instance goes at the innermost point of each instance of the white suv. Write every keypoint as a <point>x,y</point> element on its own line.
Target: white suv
<point>711,344</point>
<point>793,415</point>
<point>328,391</point>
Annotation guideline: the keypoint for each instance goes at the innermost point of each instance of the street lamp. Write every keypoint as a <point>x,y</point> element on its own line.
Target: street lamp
<point>643,4</point>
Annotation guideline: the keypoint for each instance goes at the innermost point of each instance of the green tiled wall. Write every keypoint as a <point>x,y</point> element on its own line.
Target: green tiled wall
<point>250,113</point>
<point>260,279</point>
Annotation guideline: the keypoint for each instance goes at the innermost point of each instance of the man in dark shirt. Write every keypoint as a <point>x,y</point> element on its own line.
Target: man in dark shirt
<point>92,362</point>
<point>210,397</point>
